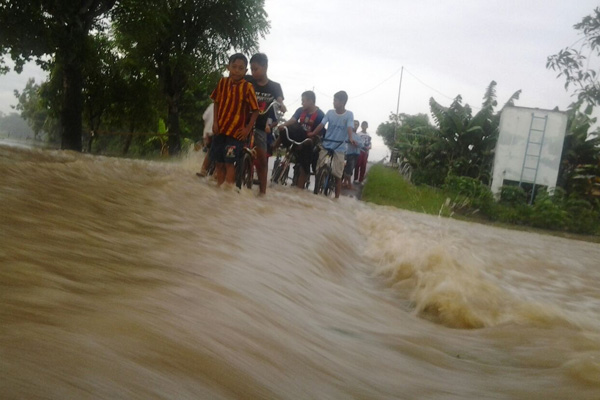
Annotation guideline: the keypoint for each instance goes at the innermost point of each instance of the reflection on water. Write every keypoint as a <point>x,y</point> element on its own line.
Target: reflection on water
<point>132,279</point>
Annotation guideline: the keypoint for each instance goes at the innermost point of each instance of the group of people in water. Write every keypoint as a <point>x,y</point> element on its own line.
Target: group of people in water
<point>242,104</point>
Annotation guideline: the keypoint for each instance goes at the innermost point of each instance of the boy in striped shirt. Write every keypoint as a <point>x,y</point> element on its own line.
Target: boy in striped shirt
<point>236,110</point>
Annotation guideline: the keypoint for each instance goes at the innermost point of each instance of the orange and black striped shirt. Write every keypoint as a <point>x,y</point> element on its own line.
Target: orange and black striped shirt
<point>236,101</point>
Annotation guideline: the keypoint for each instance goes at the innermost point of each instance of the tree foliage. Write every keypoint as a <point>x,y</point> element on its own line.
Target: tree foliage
<point>579,172</point>
<point>182,41</point>
<point>579,65</point>
<point>30,106</point>
<point>127,62</point>
<point>460,144</point>
<point>54,33</point>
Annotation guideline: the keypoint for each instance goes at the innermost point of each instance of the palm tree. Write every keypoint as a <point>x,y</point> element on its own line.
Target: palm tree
<point>467,142</point>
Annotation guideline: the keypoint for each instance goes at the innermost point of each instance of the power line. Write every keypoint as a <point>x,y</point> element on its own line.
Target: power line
<point>426,85</point>
<point>379,84</point>
<point>437,91</point>
<point>392,76</point>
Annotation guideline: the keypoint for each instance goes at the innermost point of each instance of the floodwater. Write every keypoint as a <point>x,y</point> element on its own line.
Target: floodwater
<point>124,279</point>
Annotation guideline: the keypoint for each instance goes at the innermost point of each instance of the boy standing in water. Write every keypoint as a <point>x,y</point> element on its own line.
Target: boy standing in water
<point>351,156</point>
<point>361,164</point>
<point>339,123</point>
<point>235,112</point>
<point>267,91</point>
<point>208,118</point>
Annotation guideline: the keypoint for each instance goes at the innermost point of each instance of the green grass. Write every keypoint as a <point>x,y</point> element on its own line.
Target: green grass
<point>386,187</point>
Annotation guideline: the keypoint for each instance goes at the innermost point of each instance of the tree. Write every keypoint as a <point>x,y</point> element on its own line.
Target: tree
<point>13,126</point>
<point>401,125</point>
<point>34,106</point>
<point>580,162</point>
<point>31,108</point>
<point>181,40</point>
<point>462,144</point>
<point>467,142</point>
<point>54,33</point>
<point>578,69</point>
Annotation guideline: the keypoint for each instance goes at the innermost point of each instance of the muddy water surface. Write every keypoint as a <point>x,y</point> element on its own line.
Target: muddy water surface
<point>126,279</point>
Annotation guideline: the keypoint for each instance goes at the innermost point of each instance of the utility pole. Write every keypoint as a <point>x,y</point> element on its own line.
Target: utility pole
<point>398,104</point>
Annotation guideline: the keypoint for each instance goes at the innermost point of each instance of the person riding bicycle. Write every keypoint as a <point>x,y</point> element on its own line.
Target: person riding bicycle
<point>340,124</point>
<point>306,118</point>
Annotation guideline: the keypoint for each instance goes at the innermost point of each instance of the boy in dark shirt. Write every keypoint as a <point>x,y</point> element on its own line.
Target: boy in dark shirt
<point>309,116</point>
<point>267,91</point>
<point>235,103</point>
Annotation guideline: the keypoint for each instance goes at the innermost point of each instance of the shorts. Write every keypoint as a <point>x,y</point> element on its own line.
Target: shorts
<point>304,156</point>
<point>351,160</point>
<point>226,149</point>
<point>260,139</point>
<point>337,166</point>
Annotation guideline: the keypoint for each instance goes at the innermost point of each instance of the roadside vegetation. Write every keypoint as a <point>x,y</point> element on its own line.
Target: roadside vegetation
<point>467,199</point>
<point>118,71</point>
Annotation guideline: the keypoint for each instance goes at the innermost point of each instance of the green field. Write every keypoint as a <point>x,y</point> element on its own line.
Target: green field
<point>386,187</point>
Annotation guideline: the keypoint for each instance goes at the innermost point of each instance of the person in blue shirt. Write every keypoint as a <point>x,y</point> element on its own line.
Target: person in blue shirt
<point>340,123</point>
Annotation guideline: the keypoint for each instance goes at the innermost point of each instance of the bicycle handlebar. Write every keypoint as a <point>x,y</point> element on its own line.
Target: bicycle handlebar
<point>287,134</point>
<point>275,105</point>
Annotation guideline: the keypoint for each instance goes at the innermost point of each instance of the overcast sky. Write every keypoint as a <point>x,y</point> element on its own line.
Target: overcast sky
<point>447,47</point>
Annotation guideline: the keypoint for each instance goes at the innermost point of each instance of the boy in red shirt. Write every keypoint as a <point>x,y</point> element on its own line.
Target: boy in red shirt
<point>236,110</point>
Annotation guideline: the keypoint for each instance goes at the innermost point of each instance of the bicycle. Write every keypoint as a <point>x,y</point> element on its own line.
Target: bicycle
<point>325,181</point>
<point>281,167</point>
<point>245,167</point>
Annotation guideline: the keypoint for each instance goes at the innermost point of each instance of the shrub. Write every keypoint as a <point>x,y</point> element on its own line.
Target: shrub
<point>479,195</point>
<point>513,195</point>
<point>582,217</point>
<point>547,211</point>
<point>429,177</point>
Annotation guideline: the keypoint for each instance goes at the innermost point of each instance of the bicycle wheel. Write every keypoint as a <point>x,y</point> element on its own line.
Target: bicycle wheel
<point>277,171</point>
<point>323,181</point>
<point>238,174</point>
<point>275,167</point>
<point>247,171</point>
<point>284,175</point>
<point>211,168</point>
<point>329,185</point>
<point>296,174</point>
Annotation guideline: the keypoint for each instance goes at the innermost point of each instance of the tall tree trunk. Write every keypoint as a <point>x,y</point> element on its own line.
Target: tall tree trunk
<point>91,142</point>
<point>72,101</point>
<point>174,129</point>
<point>174,86</point>
<point>128,140</point>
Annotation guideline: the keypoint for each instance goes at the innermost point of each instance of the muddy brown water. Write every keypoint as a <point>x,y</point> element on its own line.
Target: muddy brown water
<point>124,279</point>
